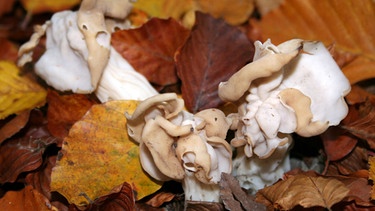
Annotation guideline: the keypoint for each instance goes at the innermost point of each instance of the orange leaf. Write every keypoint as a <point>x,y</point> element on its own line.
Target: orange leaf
<point>25,199</point>
<point>97,155</point>
<point>347,24</point>
<point>39,6</point>
<point>303,190</point>
<point>371,161</point>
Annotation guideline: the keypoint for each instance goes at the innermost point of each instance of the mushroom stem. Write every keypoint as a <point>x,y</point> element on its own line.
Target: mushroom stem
<point>196,190</point>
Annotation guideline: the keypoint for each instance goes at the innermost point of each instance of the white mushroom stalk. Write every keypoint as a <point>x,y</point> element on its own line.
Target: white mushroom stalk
<point>177,145</point>
<point>293,87</point>
<point>79,56</point>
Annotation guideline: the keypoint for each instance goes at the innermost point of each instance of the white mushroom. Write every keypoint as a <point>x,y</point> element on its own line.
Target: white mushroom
<point>79,56</point>
<point>293,87</point>
<point>177,145</point>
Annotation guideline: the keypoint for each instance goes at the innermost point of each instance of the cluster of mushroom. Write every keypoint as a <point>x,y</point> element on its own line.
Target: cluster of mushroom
<point>295,87</point>
<point>79,56</point>
<point>177,145</point>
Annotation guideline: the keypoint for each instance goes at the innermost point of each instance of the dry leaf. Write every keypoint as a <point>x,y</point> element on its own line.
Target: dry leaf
<point>39,6</point>
<point>6,6</point>
<point>234,198</point>
<point>25,199</point>
<point>64,111</point>
<point>165,8</point>
<point>150,49</point>
<point>14,125</point>
<point>371,162</point>
<point>234,12</point>
<point>25,152</point>
<point>213,52</point>
<point>8,50</point>
<point>305,191</point>
<point>98,155</point>
<point>338,143</point>
<point>347,24</point>
<point>17,93</point>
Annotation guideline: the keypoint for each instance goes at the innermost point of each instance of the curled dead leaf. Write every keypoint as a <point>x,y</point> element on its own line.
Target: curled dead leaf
<point>303,190</point>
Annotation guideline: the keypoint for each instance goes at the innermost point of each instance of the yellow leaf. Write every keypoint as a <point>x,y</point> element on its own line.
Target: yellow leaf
<point>39,6</point>
<point>17,93</point>
<point>233,12</point>
<point>98,155</point>
<point>164,8</point>
<point>349,25</point>
<point>371,161</point>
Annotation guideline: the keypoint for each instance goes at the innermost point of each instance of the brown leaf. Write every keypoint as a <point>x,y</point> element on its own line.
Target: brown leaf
<point>24,154</point>
<point>338,143</point>
<point>14,125</point>
<point>64,111</point>
<point>234,198</point>
<point>6,6</point>
<point>347,24</point>
<point>120,198</point>
<point>213,52</point>
<point>305,191</point>
<point>25,199</point>
<point>353,162</point>
<point>41,179</point>
<point>160,198</point>
<point>203,206</point>
<point>150,49</point>
<point>8,50</point>
<point>364,127</point>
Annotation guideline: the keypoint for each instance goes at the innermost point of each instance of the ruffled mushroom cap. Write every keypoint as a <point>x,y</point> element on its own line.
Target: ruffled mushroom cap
<point>91,22</point>
<point>293,87</point>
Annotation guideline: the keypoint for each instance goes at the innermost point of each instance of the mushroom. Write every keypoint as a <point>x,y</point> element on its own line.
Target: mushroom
<point>79,56</point>
<point>293,87</point>
<point>177,145</point>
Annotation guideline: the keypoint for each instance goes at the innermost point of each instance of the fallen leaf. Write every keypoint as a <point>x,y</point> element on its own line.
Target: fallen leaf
<point>120,198</point>
<point>14,125</point>
<point>338,143</point>
<point>64,111</point>
<point>347,24</point>
<point>204,206</point>
<point>213,52</point>
<point>98,155</point>
<point>8,50</point>
<point>150,49</point>
<point>305,191</point>
<point>364,127</point>
<point>25,199</point>
<point>39,6</point>
<point>17,93</point>
<point>165,8</point>
<point>6,6</point>
<point>40,180</point>
<point>160,198</point>
<point>234,12</point>
<point>353,162</point>
<point>371,162</point>
<point>25,153</point>
<point>234,198</point>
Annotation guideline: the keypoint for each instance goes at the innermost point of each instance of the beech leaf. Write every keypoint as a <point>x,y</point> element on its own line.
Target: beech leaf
<point>234,198</point>
<point>346,24</point>
<point>25,152</point>
<point>64,111</point>
<point>303,190</point>
<point>150,49</point>
<point>17,93</point>
<point>371,162</point>
<point>39,6</point>
<point>213,52</point>
<point>98,155</point>
<point>14,125</point>
<point>25,199</point>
